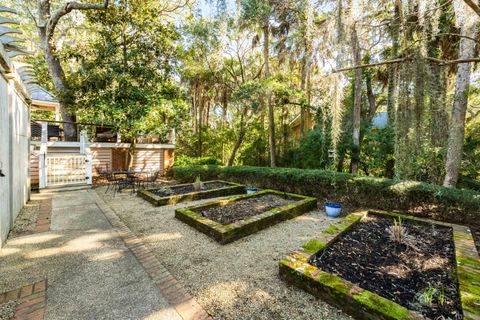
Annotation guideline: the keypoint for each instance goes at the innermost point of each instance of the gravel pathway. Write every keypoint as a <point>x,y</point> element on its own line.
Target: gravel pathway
<point>235,281</point>
<point>26,220</point>
<point>7,310</point>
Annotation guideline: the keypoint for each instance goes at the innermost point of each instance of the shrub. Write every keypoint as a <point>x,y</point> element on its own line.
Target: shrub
<point>183,160</point>
<point>416,198</point>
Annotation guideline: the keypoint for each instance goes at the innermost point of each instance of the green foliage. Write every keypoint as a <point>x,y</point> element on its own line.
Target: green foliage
<point>312,153</point>
<point>184,160</point>
<point>125,76</point>
<point>458,206</point>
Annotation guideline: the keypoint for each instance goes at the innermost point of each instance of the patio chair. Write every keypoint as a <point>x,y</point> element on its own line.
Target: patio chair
<point>102,172</point>
<point>148,180</point>
<point>113,182</point>
<point>129,182</point>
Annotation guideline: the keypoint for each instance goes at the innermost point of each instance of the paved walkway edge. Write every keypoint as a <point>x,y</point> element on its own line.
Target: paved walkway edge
<point>169,287</point>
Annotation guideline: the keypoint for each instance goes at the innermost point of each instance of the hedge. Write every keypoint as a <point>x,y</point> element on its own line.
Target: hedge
<point>416,198</point>
<point>183,160</point>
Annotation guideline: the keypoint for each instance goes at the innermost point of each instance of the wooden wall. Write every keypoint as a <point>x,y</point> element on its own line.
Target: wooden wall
<point>101,157</point>
<point>148,160</point>
<point>34,172</point>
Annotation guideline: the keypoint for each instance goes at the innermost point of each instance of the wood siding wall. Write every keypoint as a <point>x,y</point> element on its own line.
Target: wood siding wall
<point>34,163</point>
<point>148,160</point>
<point>101,157</point>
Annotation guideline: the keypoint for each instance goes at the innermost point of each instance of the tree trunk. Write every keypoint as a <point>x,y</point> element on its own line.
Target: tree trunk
<point>285,129</point>
<point>241,135</point>
<point>46,24</point>
<point>357,103</point>
<point>306,64</point>
<point>459,110</point>
<point>131,152</point>
<point>58,78</point>
<point>392,68</point>
<point>271,119</point>
<point>372,105</point>
<point>200,125</point>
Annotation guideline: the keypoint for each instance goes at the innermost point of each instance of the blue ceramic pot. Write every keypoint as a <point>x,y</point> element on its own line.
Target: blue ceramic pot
<point>333,210</point>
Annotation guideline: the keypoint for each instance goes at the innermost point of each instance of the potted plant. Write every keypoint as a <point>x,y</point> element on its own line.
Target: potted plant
<point>333,210</point>
<point>251,190</point>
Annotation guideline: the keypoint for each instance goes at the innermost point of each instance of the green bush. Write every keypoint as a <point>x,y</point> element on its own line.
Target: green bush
<point>417,198</point>
<point>183,160</point>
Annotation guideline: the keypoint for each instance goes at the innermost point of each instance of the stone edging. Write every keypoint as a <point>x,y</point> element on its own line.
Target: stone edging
<point>169,287</point>
<point>31,300</point>
<point>234,188</point>
<point>364,304</point>
<point>230,232</point>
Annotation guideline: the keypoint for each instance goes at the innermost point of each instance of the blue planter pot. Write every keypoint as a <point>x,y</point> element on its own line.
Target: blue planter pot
<point>251,190</point>
<point>333,210</point>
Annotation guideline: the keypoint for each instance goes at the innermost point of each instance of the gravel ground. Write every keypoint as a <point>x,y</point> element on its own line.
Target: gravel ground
<point>7,310</point>
<point>27,219</point>
<point>235,281</point>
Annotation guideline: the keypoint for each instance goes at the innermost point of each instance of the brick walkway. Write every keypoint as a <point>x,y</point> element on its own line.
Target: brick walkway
<point>44,216</point>
<point>31,299</point>
<point>170,288</point>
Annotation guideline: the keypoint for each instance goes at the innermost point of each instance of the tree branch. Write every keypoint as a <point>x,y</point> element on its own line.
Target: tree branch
<point>473,5</point>
<point>370,65</point>
<point>66,9</point>
<point>444,63</point>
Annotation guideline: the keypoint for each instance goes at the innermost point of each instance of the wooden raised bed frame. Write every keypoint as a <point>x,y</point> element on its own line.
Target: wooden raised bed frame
<point>363,304</point>
<point>225,233</point>
<point>230,189</point>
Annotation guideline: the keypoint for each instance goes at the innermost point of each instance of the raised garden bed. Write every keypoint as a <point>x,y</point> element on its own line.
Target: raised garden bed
<point>431,272</point>
<point>186,192</point>
<point>236,217</point>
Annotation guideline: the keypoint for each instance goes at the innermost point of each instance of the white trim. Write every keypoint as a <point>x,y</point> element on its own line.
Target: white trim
<point>44,105</point>
<point>76,144</point>
<point>127,145</point>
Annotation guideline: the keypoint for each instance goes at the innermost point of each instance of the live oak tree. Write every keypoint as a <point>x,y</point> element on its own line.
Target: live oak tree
<point>46,21</point>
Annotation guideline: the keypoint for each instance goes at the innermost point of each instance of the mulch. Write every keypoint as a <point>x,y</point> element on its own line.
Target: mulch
<point>417,273</point>
<point>242,209</point>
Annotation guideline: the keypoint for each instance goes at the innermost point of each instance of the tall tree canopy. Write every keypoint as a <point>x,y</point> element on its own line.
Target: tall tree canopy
<point>386,88</point>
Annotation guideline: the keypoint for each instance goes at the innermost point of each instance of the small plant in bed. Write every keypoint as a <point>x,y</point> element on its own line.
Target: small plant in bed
<point>408,262</point>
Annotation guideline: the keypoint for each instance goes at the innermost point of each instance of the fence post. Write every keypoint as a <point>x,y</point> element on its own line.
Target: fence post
<point>42,157</point>
<point>88,164</point>
<point>83,142</point>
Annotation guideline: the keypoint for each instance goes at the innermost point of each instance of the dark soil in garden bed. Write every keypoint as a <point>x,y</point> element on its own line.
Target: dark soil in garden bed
<point>184,189</point>
<point>417,273</point>
<point>242,209</point>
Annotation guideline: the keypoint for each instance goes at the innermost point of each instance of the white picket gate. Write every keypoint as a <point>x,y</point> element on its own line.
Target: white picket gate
<point>67,169</point>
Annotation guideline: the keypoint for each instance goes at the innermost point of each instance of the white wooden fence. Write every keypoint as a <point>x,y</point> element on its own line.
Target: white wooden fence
<point>64,169</point>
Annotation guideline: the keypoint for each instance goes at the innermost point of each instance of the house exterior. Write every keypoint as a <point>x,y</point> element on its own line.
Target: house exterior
<point>296,127</point>
<point>55,163</point>
<point>15,103</point>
